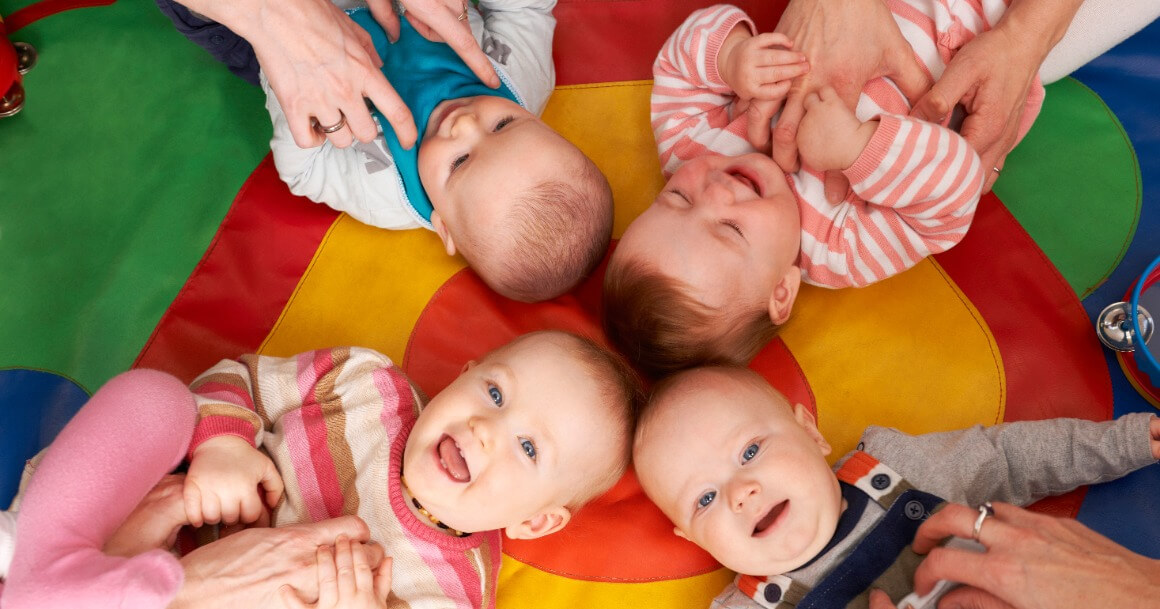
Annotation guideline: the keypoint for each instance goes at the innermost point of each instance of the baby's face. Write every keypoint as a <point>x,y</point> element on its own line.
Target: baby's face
<point>729,227</point>
<point>513,435</point>
<point>739,473</point>
<point>479,154</point>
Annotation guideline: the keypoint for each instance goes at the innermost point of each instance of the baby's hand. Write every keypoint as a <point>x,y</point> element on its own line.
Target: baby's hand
<point>1154,427</point>
<point>222,482</point>
<point>759,67</point>
<point>830,136</point>
<point>345,579</point>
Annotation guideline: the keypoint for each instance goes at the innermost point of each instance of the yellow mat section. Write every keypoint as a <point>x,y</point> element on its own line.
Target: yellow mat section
<point>909,352</point>
<point>523,586</point>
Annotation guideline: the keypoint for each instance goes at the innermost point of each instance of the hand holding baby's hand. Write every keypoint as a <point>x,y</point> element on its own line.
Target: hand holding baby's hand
<point>1154,427</point>
<point>222,482</point>
<point>830,136</point>
<point>346,579</point>
<point>759,67</point>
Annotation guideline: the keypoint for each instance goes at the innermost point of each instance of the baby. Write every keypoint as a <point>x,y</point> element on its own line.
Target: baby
<point>710,270</point>
<point>743,474</point>
<point>530,213</point>
<point>516,443</point>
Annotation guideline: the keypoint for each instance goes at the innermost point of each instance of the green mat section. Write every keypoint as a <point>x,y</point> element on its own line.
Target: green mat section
<point>1074,185</point>
<point>113,179</point>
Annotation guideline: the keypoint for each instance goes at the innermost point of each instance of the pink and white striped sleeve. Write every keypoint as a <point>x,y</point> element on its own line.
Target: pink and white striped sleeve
<point>916,186</point>
<point>690,102</point>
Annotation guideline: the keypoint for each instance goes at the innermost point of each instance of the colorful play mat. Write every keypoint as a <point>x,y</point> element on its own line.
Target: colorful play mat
<point>142,224</point>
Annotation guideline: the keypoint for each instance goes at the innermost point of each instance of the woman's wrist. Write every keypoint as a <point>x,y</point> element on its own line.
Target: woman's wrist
<point>1038,25</point>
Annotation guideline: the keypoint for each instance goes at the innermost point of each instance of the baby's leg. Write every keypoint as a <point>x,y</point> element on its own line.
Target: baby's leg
<point>132,432</point>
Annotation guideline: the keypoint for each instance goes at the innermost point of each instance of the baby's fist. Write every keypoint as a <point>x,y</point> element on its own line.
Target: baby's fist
<point>830,136</point>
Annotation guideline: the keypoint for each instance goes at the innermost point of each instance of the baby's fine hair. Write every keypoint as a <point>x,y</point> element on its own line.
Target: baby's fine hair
<point>652,319</point>
<point>562,229</point>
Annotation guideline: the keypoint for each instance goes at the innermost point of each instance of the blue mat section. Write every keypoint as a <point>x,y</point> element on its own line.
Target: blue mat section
<point>1128,79</point>
<point>34,407</point>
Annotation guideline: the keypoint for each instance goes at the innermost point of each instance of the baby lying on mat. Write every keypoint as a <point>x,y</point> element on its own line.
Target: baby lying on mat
<point>517,443</point>
<point>530,213</point>
<point>710,270</point>
<point>743,474</point>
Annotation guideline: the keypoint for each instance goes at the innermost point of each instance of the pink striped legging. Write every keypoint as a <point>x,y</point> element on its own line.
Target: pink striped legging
<point>131,433</point>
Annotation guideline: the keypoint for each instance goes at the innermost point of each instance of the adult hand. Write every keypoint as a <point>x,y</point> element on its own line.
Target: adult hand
<point>993,94</point>
<point>439,20</point>
<point>847,44</point>
<point>154,523</point>
<point>248,569</point>
<point>346,580</point>
<point>1032,561</point>
<point>992,75</point>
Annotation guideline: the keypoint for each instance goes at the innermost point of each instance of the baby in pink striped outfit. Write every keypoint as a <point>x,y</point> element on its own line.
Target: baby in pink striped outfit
<point>711,269</point>
<point>514,445</point>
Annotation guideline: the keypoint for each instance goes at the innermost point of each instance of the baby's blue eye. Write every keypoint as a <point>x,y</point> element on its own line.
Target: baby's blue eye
<point>750,453</point>
<point>706,499</point>
<point>496,395</point>
<point>529,449</point>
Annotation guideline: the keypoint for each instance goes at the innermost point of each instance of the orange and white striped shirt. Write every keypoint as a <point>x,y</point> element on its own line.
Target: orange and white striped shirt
<point>914,187</point>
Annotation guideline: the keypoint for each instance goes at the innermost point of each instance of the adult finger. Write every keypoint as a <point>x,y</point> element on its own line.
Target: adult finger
<point>953,564</point>
<point>836,185</point>
<point>385,14</point>
<point>388,102</point>
<point>966,597</point>
<point>344,568</point>
<point>993,174</point>
<point>191,496</point>
<point>954,520</point>
<point>328,585</point>
<point>364,577</point>
<point>785,152</point>
<point>326,531</point>
<point>880,600</point>
<point>333,125</point>
<point>757,121</point>
<point>938,102</point>
<point>908,74</point>
<point>457,34</point>
<point>383,578</point>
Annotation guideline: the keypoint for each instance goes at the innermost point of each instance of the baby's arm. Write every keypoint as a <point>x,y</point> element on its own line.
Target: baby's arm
<point>1019,462</point>
<point>517,34</point>
<point>692,96</point>
<point>917,185</point>
<point>226,467</point>
<point>360,179</point>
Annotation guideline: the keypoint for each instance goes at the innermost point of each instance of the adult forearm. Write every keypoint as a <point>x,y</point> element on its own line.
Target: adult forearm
<point>1041,23</point>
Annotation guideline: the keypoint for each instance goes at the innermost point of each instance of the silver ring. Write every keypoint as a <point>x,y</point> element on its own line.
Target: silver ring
<point>985,511</point>
<point>996,170</point>
<point>331,128</point>
<point>463,15</point>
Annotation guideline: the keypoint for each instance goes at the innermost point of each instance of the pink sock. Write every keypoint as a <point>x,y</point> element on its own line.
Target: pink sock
<point>132,432</point>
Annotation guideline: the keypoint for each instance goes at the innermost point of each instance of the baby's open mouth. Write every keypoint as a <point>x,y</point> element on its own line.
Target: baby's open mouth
<point>451,458</point>
<point>768,520</point>
<point>749,182</point>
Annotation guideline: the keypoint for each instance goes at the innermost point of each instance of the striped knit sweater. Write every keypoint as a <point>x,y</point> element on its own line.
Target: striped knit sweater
<point>335,423</point>
<point>915,186</point>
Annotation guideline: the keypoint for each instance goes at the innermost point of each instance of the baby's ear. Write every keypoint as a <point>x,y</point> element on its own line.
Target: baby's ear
<point>784,294</point>
<point>444,234</point>
<point>545,523</point>
<point>806,419</point>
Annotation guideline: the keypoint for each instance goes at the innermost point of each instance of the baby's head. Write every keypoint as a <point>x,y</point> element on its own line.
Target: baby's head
<point>526,208</point>
<point>524,437</point>
<point>739,471</point>
<point>707,273</point>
